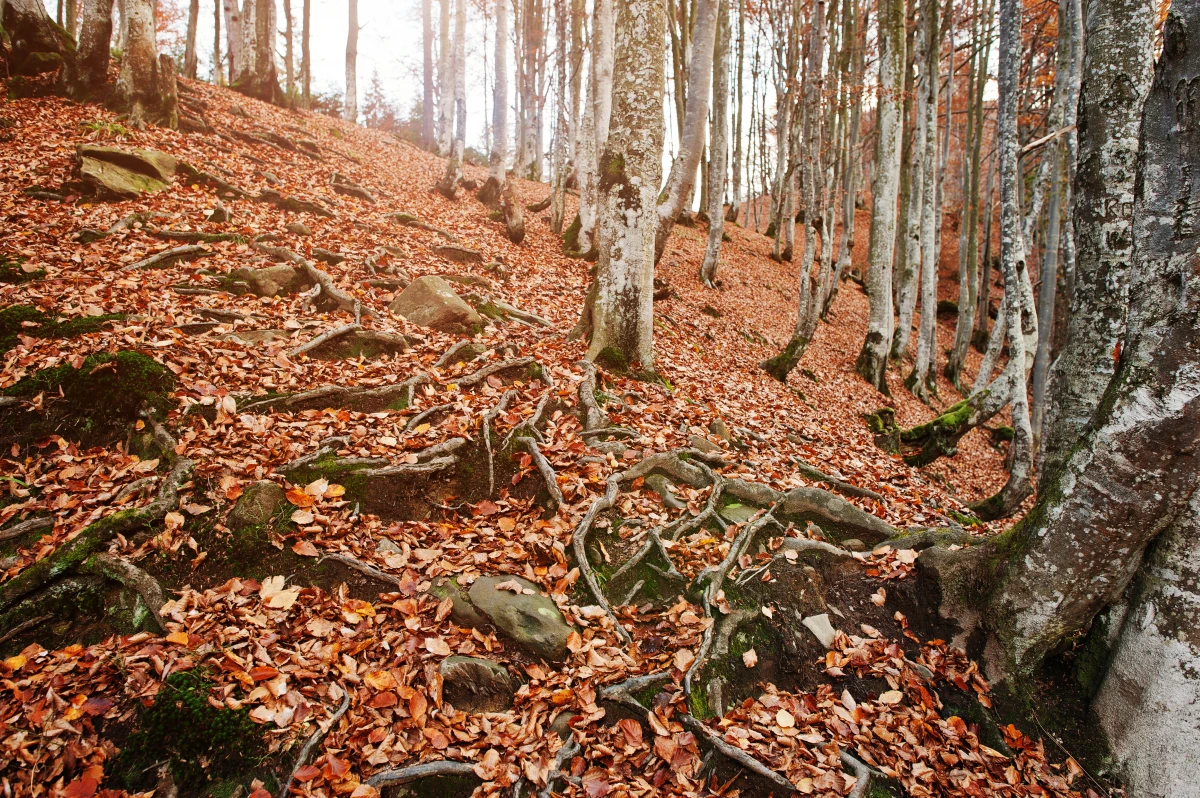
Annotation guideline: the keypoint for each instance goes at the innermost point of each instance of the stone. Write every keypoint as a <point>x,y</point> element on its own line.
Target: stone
<point>474,685</point>
<point>663,487</point>
<point>431,302</point>
<point>257,505</point>
<point>717,427</point>
<point>462,611</point>
<point>297,229</point>
<point>386,547</point>
<point>269,281</point>
<point>821,628</point>
<point>854,544</point>
<point>561,725</point>
<point>271,178</point>
<point>457,254</point>
<point>737,513</point>
<point>531,619</point>
<point>220,214</point>
<point>702,444</point>
<point>237,110</point>
<point>124,174</point>
<point>325,256</point>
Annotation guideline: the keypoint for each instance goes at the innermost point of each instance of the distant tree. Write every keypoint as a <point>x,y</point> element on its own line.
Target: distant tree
<point>378,111</point>
<point>189,57</point>
<point>351,109</point>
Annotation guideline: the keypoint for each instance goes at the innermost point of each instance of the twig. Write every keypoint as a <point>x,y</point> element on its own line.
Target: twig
<point>445,767</point>
<point>24,627</point>
<point>167,257</point>
<point>313,741</point>
<point>328,335</point>
<point>363,568</point>
<point>488,418</point>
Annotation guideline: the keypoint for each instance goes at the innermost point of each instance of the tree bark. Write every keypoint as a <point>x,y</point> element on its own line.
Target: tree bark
<point>1116,74</point>
<point>912,188</point>
<point>872,360</point>
<point>289,53</point>
<point>596,117</point>
<point>490,193</point>
<point>217,74</point>
<point>682,177</point>
<point>1132,475</point>
<point>854,32</point>
<point>445,131</point>
<point>31,31</point>
<point>735,187</point>
<point>427,139</point>
<point>630,172</point>
<point>351,105</point>
<point>189,52</point>
<point>233,37</point>
<point>95,45</point>
<point>137,90</point>
<point>306,54</point>
<point>720,145</point>
<point>558,193</point>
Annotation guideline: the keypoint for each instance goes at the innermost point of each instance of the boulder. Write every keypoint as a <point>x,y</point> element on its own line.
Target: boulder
<point>124,174</point>
<point>532,620</point>
<point>297,229</point>
<point>431,302</point>
<point>257,505</point>
<point>477,685</point>
<point>703,444</point>
<point>220,214</point>
<point>462,612</point>
<point>270,281</point>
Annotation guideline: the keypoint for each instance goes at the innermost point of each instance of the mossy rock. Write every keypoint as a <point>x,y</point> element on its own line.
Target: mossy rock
<point>201,744</point>
<point>40,64</point>
<point>99,398</point>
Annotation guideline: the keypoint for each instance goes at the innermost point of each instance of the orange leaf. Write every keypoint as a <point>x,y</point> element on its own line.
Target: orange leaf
<point>299,498</point>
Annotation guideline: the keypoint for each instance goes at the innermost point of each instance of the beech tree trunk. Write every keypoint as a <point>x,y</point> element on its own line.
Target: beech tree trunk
<point>558,193</point>
<point>491,191</point>
<point>138,92</point>
<point>445,132</point>
<point>31,31</point>
<point>233,37</point>
<point>427,138</point>
<point>218,77</point>
<point>720,145</point>
<point>306,54</point>
<point>682,177</point>
<point>289,53</point>
<point>1117,69</point>
<point>735,185</point>
<point>630,170</point>
<point>872,360</point>
<point>95,45</point>
<point>256,75</point>
<point>1133,474</point>
<point>855,33</point>
<point>597,115</point>
<point>351,106</point>
<point>189,52</point>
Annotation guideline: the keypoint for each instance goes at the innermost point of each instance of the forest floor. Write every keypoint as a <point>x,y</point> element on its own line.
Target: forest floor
<point>323,614</point>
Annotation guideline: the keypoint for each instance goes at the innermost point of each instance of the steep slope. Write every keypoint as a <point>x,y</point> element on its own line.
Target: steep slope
<point>309,469</point>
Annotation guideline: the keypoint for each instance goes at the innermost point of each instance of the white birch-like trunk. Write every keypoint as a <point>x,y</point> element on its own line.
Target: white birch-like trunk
<point>872,360</point>
<point>631,170</point>
<point>682,177</point>
<point>596,118</point>
<point>497,158</point>
<point>720,145</point>
<point>445,128</point>
<point>909,266</point>
<point>351,105</point>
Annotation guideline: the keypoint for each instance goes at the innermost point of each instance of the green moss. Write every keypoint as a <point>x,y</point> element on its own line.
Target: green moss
<point>12,273</point>
<point>698,701</point>
<point>709,310</point>
<point>333,468</point>
<point>1003,434</point>
<point>200,743</point>
<point>613,359</point>
<point>40,63</point>
<point>966,519</point>
<point>18,320</point>
<point>571,235</point>
<point>782,364</point>
<point>109,128</point>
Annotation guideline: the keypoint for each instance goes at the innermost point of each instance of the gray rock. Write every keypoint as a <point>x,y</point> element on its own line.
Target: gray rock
<point>124,174</point>
<point>854,544</point>
<point>821,628</point>
<point>325,256</point>
<point>238,110</point>
<point>561,725</point>
<point>257,505</point>
<point>717,427</point>
<point>271,178</point>
<point>220,214</point>
<point>297,229</point>
<point>702,443</point>
<point>431,302</point>
<point>386,547</point>
<point>462,611</point>
<point>274,280</point>
<point>531,619</point>
<point>663,487</point>
<point>737,513</point>
<point>477,685</point>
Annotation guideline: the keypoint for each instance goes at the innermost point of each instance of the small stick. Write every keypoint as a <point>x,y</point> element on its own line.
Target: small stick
<point>360,566</point>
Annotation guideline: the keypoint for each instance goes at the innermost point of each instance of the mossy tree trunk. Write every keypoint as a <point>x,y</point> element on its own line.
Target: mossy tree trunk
<point>35,41</point>
<point>630,172</point>
<point>95,45</point>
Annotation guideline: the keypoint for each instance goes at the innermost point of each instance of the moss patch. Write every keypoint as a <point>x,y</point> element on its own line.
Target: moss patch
<point>13,273</point>
<point>17,320</point>
<point>201,744</point>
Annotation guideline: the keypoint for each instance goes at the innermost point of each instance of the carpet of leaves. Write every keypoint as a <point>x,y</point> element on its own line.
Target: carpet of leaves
<point>290,654</point>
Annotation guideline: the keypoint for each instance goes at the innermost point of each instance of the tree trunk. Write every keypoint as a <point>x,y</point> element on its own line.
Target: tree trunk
<point>630,170</point>
<point>189,51</point>
<point>217,74</point>
<point>427,139</point>
<point>289,53</point>
<point>735,186</point>
<point>70,23</point>
<point>856,32</point>
<point>257,75</point>
<point>578,14</point>
<point>448,186</point>
<point>351,105</point>
<point>490,193</point>
<point>720,145</point>
<point>597,116</point>
<point>912,188</point>
<point>34,39</point>
<point>1147,701</point>
<point>923,377</point>
<point>137,90</point>
<point>872,360</point>
<point>95,45</point>
<point>691,139</point>
<point>558,192</point>
<point>1132,475</point>
<point>1116,77</point>
<point>1049,279</point>
<point>233,37</point>
<point>306,54</point>
<point>445,132</point>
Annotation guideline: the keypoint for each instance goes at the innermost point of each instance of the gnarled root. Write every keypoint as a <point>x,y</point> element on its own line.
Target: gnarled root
<point>444,767</point>
<point>314,740</point>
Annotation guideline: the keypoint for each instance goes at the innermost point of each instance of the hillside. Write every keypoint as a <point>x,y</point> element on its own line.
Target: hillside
<point>320,610</point>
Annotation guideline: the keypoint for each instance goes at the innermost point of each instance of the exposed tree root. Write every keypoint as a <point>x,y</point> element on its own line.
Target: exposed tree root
<point>408,220</point>
<point>416,420</point>
<point>313,742</point>
<point>132,577</point>
<point>546,470</point>
<point>476,377</point>
<point>328,335</point>
<point>164,259</point>
<point>486,432</point>
<point>579,546</point>
<point>529,426</point>
<point>862,773</point>
<point>360,400</point>
<point>841,486</point>
<point>23,627</point>
<point>560,768</point>
<point>343,300</point>
<point>363,568</point>
<point>27,527</point>
<point>444,767</point>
